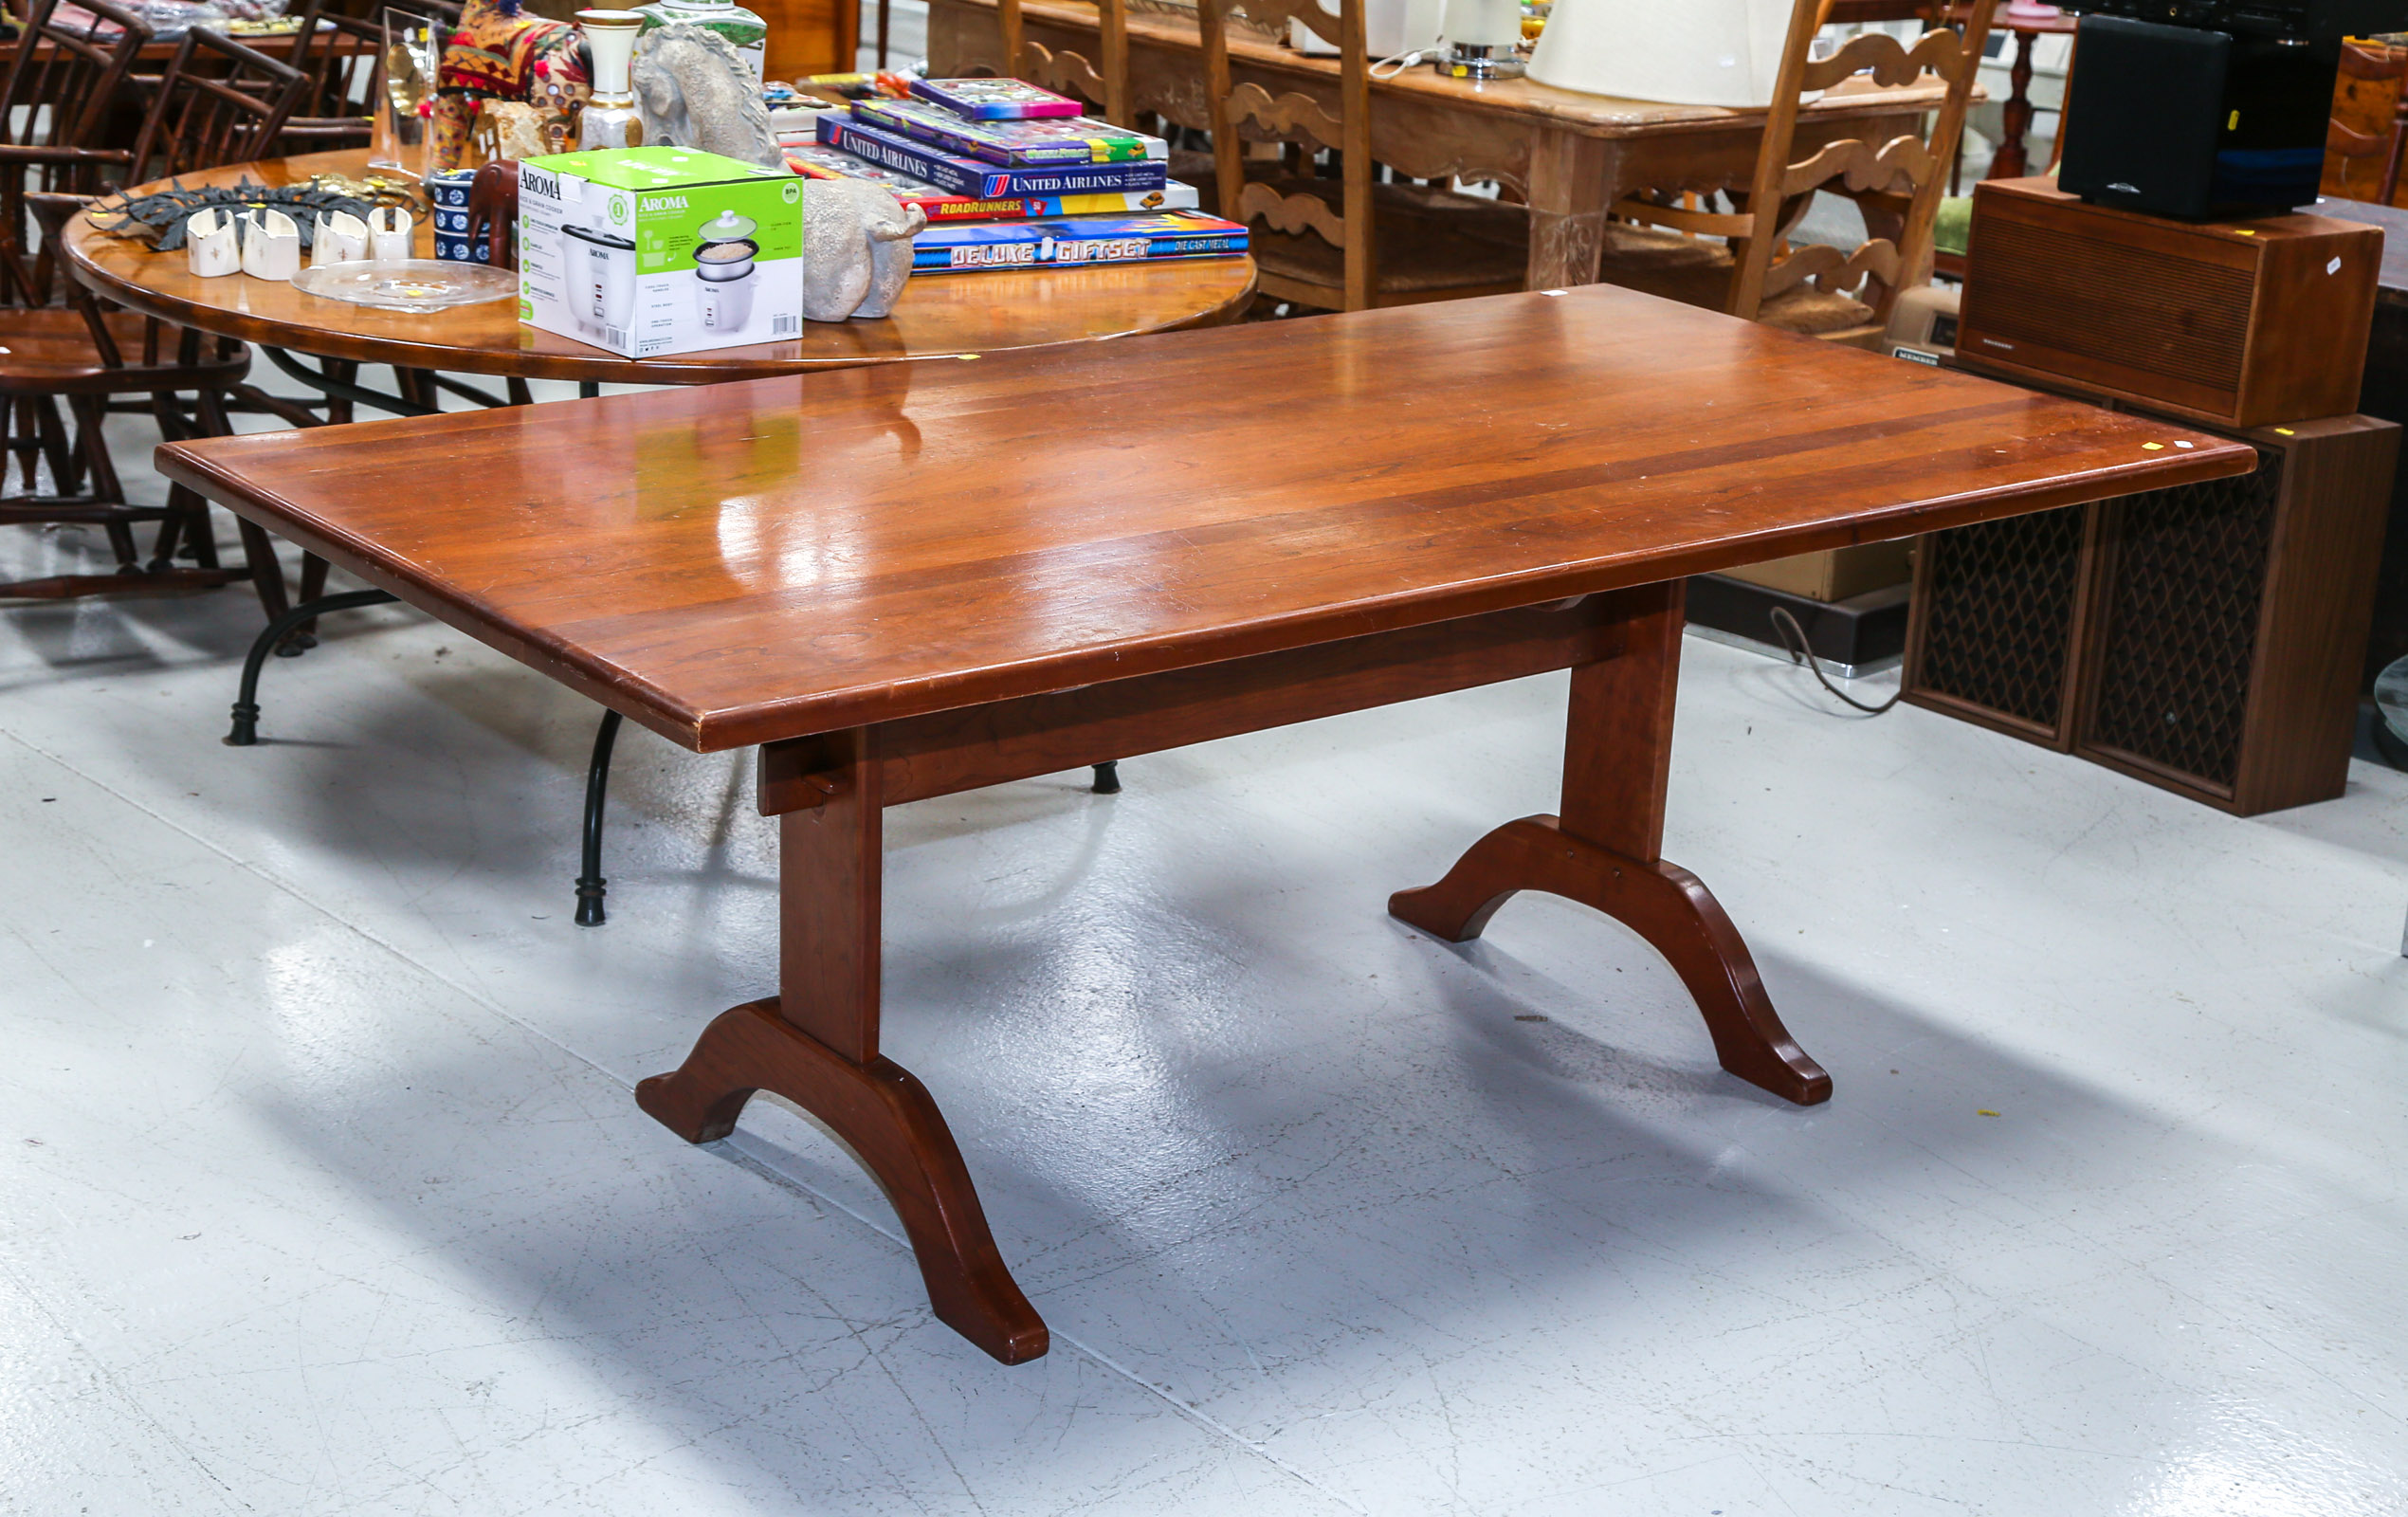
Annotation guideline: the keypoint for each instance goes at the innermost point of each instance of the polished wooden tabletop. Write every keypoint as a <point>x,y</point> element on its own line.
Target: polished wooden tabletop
<point>1583,114</point>
<point>937,316</point>
<point>750,562</point>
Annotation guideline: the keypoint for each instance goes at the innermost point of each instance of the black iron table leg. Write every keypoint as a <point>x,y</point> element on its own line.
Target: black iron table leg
<point>1107,777</point>
<point>326,382</point>
<point>590,885</point>
<point>245,729</point>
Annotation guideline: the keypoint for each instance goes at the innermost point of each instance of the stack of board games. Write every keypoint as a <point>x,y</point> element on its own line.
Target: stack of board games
<point>1013,176</point>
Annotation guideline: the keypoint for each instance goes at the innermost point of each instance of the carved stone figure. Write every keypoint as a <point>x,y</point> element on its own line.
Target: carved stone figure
<point>518,128</point>
<point>856,249</point>
<point>693,90</point>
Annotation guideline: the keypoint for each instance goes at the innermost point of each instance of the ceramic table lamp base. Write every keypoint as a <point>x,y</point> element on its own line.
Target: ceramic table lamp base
<point>1481,35</point>
<point>211,246</point>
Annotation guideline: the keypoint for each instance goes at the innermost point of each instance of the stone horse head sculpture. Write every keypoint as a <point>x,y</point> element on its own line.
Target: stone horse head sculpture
<point>692,90</point>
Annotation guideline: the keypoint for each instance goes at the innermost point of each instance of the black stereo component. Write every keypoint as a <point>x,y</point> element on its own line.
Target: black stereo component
<point>2298,20</point>
<point>2194,122</point>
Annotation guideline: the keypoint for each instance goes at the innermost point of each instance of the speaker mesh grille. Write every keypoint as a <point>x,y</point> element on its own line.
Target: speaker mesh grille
<point>1998,617</point>
<point>2180,622</point>
<point>2151,312</point>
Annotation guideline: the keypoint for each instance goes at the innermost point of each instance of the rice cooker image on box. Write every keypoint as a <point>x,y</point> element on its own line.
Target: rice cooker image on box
<point>601,270</point>
<point>724,272</point>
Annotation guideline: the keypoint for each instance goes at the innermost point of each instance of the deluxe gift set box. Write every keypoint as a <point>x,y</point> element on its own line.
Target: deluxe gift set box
<point>656,250</point>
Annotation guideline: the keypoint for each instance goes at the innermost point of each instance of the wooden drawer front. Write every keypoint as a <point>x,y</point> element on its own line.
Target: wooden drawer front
<point>2109,313</point>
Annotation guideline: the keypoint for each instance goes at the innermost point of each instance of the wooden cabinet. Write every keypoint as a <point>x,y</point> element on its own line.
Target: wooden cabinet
<point>2243,323</point>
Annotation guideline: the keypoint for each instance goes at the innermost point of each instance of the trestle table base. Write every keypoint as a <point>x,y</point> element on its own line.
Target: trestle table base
<point>815,1043</point>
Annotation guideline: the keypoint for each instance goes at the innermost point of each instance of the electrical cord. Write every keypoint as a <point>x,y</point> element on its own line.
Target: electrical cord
<point>1403,62</point>
<point>1786,627</point>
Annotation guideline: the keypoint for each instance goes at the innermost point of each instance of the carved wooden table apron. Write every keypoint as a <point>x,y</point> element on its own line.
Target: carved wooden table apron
<point>1571,154</point>
<point>1073,556</point>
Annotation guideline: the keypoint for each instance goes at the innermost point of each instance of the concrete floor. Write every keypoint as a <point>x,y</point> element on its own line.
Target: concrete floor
<point>324,1191</point>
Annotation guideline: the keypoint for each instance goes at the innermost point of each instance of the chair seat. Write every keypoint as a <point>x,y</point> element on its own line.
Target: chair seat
<point>1695,271</point>
<point>47,349</point>
<point>1431,244</point>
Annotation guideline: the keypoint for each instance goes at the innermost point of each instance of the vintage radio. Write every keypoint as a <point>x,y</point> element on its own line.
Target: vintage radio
<point>2205,638</point>
<point>2243,323</point>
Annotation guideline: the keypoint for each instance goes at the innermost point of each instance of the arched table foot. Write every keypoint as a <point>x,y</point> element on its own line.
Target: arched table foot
<point>889,1120</point>
<point>1662,902</point>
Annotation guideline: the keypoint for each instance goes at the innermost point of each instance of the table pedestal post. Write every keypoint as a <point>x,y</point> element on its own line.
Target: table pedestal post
<point>1604,851</point>
<point>815,1043</point>
<point>2009,162</point>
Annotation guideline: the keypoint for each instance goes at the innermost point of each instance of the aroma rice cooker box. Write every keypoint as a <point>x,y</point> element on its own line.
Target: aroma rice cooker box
<point>653,251</point>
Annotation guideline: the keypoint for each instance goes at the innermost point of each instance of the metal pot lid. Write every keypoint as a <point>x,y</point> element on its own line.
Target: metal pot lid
<point>602,238</point>
<point>728,227</point>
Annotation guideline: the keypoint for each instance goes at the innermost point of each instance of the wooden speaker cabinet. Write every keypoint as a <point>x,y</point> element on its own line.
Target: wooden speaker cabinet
<point>2204,638</point>
<point>2241,324</point>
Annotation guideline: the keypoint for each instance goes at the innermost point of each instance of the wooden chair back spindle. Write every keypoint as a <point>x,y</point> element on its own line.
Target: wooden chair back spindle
<point>219,103</point>
<point>338,54</point>
<point>1105,83</point>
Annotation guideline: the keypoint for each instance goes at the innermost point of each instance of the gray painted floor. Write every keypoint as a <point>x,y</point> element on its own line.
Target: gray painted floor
<point>324,1192</point>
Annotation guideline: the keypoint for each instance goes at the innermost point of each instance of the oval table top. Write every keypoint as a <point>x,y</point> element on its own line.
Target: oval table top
<point>937,316</point>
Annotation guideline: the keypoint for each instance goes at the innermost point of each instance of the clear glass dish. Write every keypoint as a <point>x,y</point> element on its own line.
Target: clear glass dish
<point>419,285</point>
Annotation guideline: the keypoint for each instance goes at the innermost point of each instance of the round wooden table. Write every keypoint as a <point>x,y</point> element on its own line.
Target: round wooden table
<point>937,316</point>
<point>940,316</point>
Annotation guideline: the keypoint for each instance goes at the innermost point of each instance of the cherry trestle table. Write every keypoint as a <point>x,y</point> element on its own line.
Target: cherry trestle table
<point>909,580</point>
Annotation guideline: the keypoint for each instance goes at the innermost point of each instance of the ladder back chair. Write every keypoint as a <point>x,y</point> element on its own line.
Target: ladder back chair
<point>2363,138</point>
<point>219,103</point>
<point>64,89</point>
<point>338,55</point>
<point>1104,85</point>
<point>1816,290</point>
<point>1351,243</point>
<point>84,352</point>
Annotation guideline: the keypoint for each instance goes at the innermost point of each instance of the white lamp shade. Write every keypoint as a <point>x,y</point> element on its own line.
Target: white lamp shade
<point>1693,52</point>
